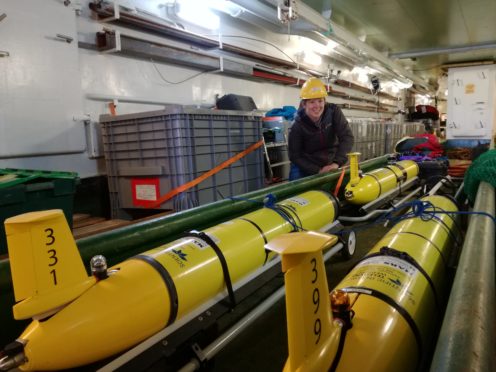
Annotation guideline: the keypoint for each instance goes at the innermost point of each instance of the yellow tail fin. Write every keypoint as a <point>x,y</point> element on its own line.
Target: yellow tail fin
<point>313,338</point>
<point>354,169</point>
<point>47,270</point>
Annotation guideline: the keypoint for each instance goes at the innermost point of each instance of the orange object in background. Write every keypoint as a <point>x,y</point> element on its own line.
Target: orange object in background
<point>457,168</point>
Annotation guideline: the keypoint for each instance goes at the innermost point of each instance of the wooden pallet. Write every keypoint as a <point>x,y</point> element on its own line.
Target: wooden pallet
<point>84,225</point>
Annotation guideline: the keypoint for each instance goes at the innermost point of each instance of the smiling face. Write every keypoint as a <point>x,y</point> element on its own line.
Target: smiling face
<point>314,108</point>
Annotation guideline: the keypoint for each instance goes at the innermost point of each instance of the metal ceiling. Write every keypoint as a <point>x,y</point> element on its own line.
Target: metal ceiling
<point>314,23</point>
<point>423,35</point>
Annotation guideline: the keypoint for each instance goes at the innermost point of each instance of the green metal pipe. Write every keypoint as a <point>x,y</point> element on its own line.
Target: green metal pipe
<point>119,244</point>
<point>466,340</point>
<point>131,239</point>
<point>148,233</point>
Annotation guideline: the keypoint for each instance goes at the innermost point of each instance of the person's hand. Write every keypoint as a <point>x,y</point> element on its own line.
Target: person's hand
<point>329,168</point>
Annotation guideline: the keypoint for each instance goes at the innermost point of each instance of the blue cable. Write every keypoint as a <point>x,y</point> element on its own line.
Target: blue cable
<point>269,201</point>
<point>418,209</point>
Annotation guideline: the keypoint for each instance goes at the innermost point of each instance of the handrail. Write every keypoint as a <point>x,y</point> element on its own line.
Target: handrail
<point>466,340</point>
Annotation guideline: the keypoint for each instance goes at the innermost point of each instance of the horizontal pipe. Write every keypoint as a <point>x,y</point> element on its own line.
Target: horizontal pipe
<point>122,243</point>
<point>223,340</point>
<point>435,51</point>
<point>139,349</point>
<point>211,350</point>
<point>378,212</point>
<point>42,153</point>
<point>389,195</point>
<point>128,240</point>
<point>112,97</point>
<point>466,340</point>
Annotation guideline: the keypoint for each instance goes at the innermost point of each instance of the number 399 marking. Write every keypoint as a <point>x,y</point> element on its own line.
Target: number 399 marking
<point>52,253</point>
<point>317,325</point>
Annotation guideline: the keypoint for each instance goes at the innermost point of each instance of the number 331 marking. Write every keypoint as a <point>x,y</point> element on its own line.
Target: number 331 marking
<point>52,253</point>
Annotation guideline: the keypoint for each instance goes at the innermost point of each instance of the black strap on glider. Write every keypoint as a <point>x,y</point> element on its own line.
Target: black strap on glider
<point>225,269</point>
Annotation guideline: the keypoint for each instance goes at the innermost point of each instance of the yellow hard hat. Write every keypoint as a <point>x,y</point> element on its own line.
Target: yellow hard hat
<point>313,88</point>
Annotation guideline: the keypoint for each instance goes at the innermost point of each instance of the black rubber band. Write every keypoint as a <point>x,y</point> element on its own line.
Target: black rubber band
<point>286,216</point>
<point>455,223</point>
<point>290,210</point>
<point>225,269</point>
<point>391,252</point>
<point>169,283</point>
<point>451,233</point>
<point>267,252</point>
<point>339,351</point>
<point>403,176</point>
<point>257,227</point>
<point>427,240</point>
<point>381,296</point>
<point>436,218</point>
<point>402,169</point>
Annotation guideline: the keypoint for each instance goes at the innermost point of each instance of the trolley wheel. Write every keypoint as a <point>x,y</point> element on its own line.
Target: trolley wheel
<point>349,244</point>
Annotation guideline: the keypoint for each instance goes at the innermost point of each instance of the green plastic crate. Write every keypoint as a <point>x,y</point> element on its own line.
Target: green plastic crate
<point>25,190</point>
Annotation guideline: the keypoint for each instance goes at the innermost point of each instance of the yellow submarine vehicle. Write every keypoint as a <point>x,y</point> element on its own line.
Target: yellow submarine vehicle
<point>362,189</point>
<point>78,320</point>
<point>383,314</point>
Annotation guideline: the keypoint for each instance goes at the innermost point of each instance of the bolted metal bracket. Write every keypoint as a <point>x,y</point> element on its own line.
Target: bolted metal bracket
<point>67,39</point>
<point>199,352</point>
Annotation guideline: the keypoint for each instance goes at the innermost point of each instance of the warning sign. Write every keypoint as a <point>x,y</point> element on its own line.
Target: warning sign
<point>145,191</point>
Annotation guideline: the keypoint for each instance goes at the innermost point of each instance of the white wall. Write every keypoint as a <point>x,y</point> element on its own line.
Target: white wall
<point>49,86</point>
<point>471,103</point>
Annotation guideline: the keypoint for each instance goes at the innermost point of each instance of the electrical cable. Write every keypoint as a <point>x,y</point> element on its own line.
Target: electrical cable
<point>269,202</point>
<point>260,41</point>
<point>181,81</point>
<point>423,209</point>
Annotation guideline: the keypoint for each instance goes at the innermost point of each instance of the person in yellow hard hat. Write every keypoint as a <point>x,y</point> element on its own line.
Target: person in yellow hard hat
<point>320,136</point>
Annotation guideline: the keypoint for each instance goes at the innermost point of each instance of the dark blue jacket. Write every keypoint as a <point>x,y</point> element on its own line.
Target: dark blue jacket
<point>312,146</point>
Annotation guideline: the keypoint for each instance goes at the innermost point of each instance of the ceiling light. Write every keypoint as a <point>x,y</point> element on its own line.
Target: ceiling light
<point>363,73</point>
<point>392,86</point>
<point>331,44</point>
<point>226,6</point>
<point>312,58</point>
<point>198,13</point>
<point>424,100</point>
<point>363,78</point>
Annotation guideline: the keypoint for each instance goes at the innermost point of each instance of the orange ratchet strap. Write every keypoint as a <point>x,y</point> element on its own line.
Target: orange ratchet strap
<point>340,181</point>
<point>204,176</point>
